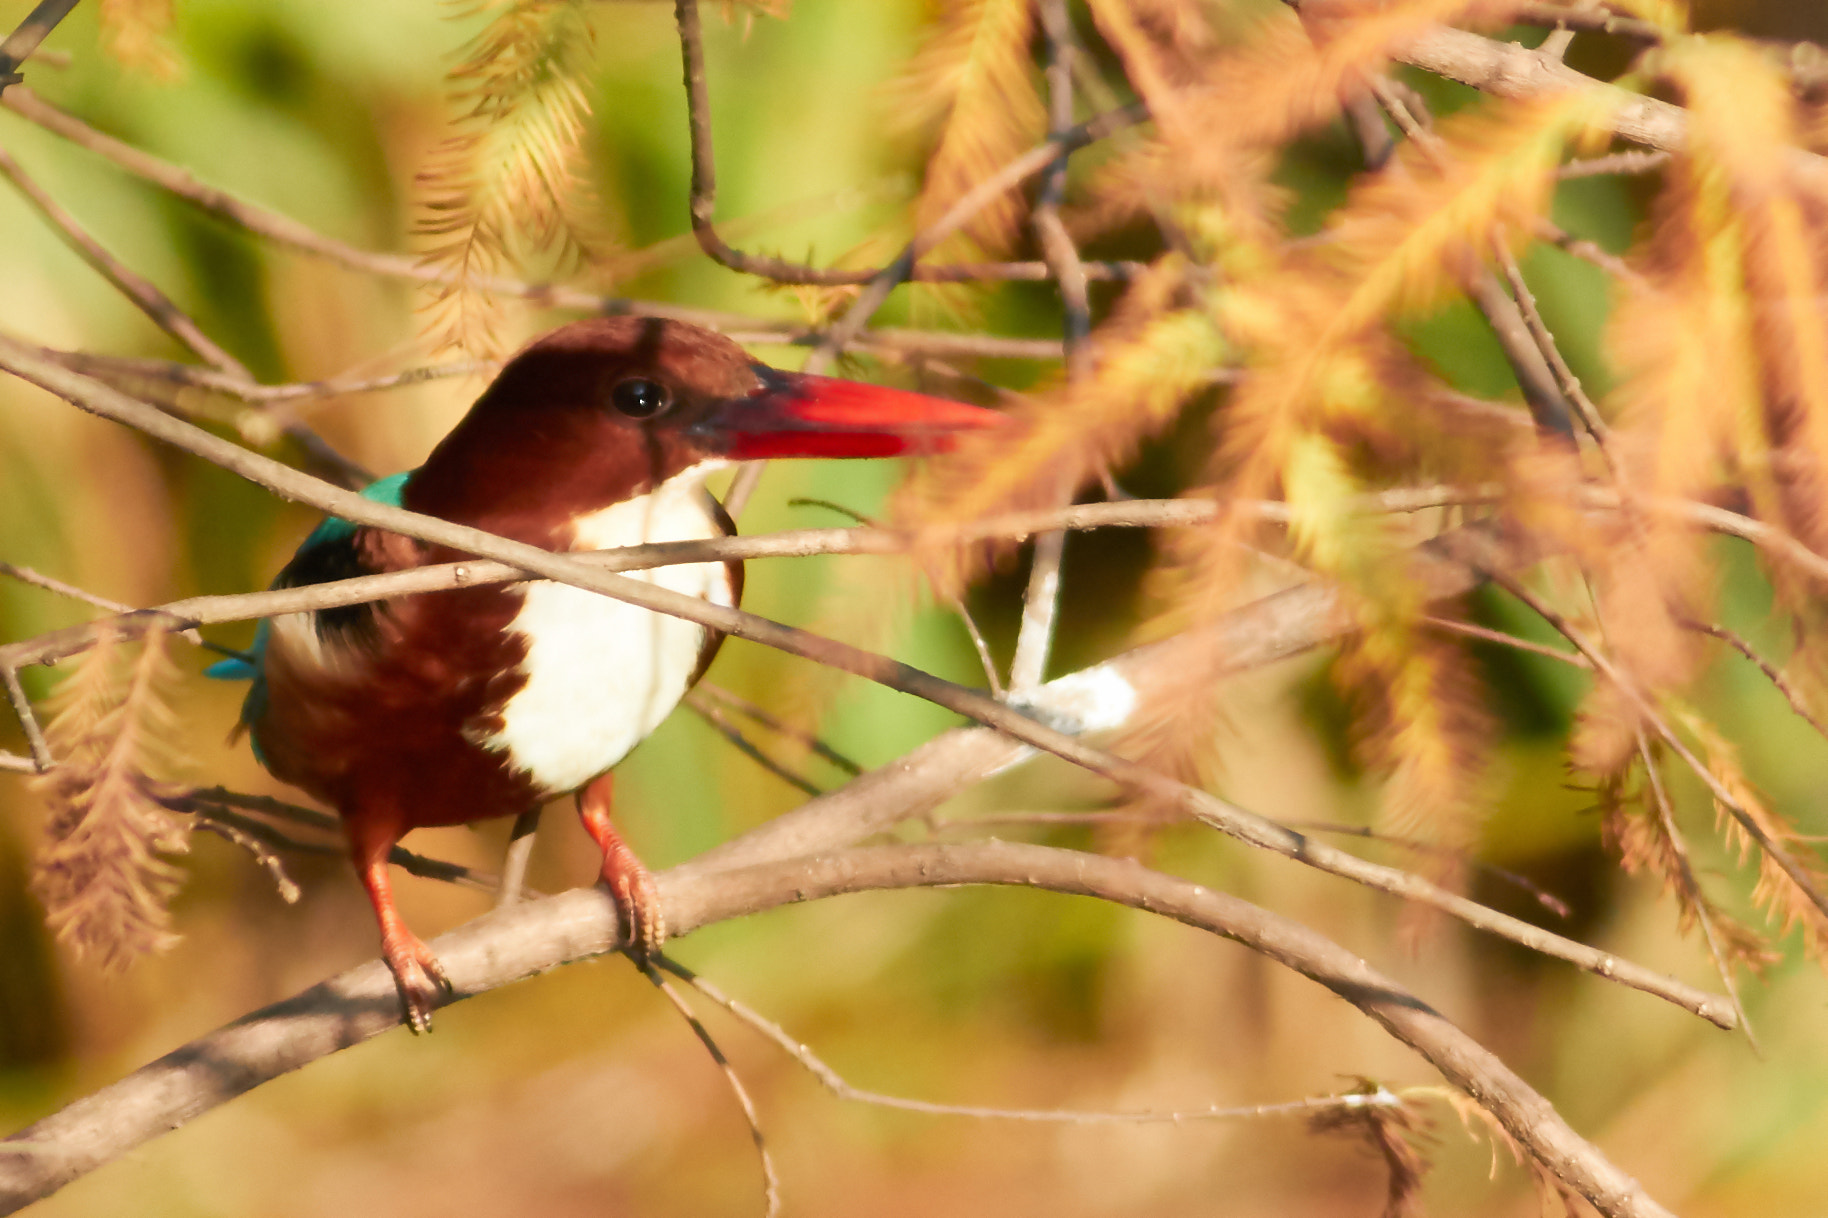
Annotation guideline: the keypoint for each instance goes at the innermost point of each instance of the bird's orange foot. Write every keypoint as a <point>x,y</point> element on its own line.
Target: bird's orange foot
<point>631,885</point>
<point>418,977</point>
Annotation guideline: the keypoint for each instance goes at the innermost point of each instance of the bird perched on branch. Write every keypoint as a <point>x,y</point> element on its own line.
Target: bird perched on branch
<point>451,707</point>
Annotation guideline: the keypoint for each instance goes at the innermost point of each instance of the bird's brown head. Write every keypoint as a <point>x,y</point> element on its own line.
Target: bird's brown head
<point>600,410</point>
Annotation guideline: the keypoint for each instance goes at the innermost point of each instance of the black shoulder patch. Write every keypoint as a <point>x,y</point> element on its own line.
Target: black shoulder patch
<point>323,562</point>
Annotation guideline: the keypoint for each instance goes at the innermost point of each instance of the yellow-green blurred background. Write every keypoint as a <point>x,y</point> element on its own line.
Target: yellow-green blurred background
<point>582,1092</point>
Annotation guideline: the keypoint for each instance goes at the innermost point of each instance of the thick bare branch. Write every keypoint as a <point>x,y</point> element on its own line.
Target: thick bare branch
<point>522,940</point>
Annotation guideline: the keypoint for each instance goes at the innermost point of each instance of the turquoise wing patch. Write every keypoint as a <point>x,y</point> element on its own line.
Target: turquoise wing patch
<point>387,491</point>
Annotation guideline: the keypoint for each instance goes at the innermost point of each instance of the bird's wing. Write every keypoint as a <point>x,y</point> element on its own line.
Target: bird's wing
<point>329,553</point>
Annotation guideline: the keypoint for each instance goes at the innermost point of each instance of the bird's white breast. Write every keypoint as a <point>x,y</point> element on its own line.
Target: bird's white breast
<point>602,674</point>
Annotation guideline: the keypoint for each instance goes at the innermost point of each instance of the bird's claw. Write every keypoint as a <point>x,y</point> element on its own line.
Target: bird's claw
<point>420,980</point>
<point>638,907</point>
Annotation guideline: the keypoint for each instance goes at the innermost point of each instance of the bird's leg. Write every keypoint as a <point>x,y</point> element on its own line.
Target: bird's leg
<point>417,974</point>
<point>629,881</point>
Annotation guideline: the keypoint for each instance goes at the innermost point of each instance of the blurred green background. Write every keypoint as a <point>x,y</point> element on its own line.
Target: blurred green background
<point>582,1092</point>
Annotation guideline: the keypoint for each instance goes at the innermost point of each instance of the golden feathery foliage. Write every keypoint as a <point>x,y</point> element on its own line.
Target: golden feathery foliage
<point>1640,831</point>
<point>1725,363</point>
<point>1154,357</point>
<point>136,32</point>
<point>507,181</point>
<point>974,81</point>
<point>104,886</point>
<point>1423,722</point>
<point>1776,891</point>
<point>1481,1122</point>
<point>1728,356</point>
<point>1323,383</point>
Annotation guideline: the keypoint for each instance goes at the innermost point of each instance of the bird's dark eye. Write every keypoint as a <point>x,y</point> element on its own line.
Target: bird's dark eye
<point>639,398</point>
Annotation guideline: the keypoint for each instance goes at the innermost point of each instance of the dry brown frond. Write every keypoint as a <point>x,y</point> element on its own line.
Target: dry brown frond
<point>1399,243</point>
<point>1736,223</point>
<point>1292,77</point>
<point>1423,724</point>
<point>1397,1134</point>
<point>104,885</point>
<point>1775,892</point>
<point>1645,592</point>
<point>1633,826</point>
<point>1605,740</point>
<point>1480,1121</point>
<point>507,180</point>
<point>1218,113</point>
<point>975,81</point>
<point>1184,26</point>
<point>136,33</point>
<point>1152,358</point>
<point>1409,236</point>
<point>1326,385</point>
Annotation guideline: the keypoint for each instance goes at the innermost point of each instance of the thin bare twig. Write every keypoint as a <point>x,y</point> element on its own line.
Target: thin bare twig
<point>1697,900</point>
<point>704,199</point>
<point>26,575</point>
<point>836,1083</point>
<point>968,205</point>
<point>209,801</point>
<point>255,838</point>
<point>287,232</point>
<point>1596,19</point>
<point>1041,600</point>
<point>1138,513</point>
<point>1488,635</point>
<point>36,579</point>
<point>1535,891</point>
<point>131,374</point>
<point>1738,642</point>
<point>144,294</point>
<point>771,1184</point>
<point>1571,390</point>
<point>1800,877</point>
<point>955,603</point>
<point>28,721</point>
<point>1589,251</point>
<point>810,740</point>
<point>1624,163</point>
<point>720,723</point>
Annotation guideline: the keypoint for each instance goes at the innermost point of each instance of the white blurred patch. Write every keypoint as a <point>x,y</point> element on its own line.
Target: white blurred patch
<point>1094,699</point>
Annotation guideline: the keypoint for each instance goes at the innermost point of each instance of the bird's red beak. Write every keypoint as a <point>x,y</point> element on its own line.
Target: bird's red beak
<point>795,414</point>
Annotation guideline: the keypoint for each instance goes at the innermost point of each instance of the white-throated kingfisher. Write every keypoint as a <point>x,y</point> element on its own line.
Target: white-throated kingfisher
<point>451,707</point>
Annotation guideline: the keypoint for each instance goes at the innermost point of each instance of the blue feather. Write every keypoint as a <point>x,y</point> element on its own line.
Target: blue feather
<point>388,491</point>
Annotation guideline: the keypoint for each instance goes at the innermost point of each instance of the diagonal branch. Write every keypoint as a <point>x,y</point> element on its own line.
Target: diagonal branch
<point>1112,694</point>
<point>144,294</point>
<point>24,40</point>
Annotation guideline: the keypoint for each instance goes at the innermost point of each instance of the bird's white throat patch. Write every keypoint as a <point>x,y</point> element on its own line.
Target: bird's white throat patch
<point>601,673</point>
